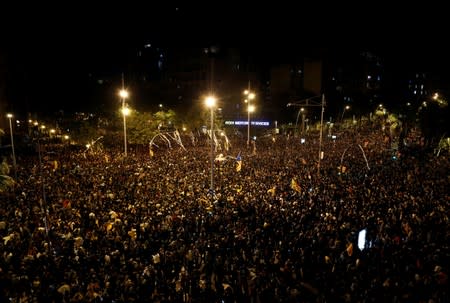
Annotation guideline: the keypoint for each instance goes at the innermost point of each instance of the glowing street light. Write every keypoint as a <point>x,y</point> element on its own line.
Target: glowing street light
<point>123,93</point>
<point>347,107</point>
<point>12,141</point>
<point>210,102</point>
<point>125,113</point>
<point>250,109</point>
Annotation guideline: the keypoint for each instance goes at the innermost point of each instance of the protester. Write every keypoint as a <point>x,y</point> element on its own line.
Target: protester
<point>104,228</point>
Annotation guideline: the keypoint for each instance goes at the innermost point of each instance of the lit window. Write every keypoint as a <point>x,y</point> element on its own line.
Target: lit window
<point>369,77</point>
<point>421,86</point>
<point>415,92</point>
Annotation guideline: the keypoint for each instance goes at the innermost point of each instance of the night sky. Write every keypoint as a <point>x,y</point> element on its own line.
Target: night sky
<point>49,51</point>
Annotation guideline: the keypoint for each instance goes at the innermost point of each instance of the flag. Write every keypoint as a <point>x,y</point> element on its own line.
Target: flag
<point>66,203</point>
<point>295,186</point>
<point>220,158</point>
<point>349,249</point>
<point>239,163</point>
<point>272,191</point>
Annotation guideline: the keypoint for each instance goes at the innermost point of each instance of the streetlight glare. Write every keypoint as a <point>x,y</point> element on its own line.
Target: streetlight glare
<point>123,93</point>
<point>9,115</point>
<point>125,111</point>
<point>210,101</point>
<point>250,108</point>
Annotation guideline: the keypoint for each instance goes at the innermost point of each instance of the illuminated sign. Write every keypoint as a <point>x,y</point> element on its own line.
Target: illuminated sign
<point>255,123</point>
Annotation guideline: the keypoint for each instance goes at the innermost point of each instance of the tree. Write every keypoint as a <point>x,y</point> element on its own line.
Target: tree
<point>5,180</point>
<point>141,127</point>
<point>165,119</point>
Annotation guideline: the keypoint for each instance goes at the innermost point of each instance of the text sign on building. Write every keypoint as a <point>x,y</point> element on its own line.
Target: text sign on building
<point>255,123</point>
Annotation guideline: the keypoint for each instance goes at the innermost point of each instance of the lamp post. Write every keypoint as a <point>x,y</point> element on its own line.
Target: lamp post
<point>12,141</point>
<point>347,107</point>
<point>307,103</point>
<point>320,136</point>
<point>250,108</point>
<point>125,112</point>
<point>211,102</point>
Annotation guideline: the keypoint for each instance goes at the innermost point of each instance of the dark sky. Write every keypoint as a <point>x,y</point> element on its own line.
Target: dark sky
<point>71,41</point>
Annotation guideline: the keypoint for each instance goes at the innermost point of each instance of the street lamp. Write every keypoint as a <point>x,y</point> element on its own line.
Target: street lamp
<point>308,102</point>
<point>303,119</point>
<point>347,107</point>
<point>250,109</point>
<point>12,141</point>
<point>125,112</point>
<point>211,102</point>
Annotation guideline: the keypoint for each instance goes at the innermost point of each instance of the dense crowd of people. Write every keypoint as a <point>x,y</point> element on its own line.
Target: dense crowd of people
<point>99,227</point>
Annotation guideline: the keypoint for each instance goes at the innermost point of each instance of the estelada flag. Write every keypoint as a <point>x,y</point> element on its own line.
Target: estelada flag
<point>295,186</point>
<point>238,163</point>
<point>272,191</point>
